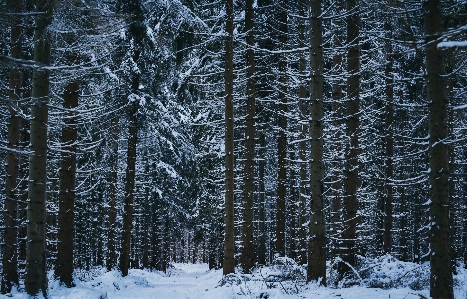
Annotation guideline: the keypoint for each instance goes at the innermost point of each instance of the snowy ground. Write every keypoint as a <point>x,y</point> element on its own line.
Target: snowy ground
<point>187,281</point>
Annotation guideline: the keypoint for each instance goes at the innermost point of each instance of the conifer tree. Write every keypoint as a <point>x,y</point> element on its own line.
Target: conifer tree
<point>10,257</point>
<point>441,283</point>
<point>317,243</point>
<point>36,279</point>
<point>248,255</point>
<point>229,262</point>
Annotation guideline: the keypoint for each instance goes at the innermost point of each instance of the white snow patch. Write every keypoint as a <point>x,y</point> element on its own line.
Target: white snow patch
<point>196,281</point>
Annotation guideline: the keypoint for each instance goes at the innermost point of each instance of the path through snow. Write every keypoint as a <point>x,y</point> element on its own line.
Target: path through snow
<point>187,281</point>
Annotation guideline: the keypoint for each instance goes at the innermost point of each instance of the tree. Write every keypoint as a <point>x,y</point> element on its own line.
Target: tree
<point>229,262</point>
<point>389,142</point>
<point>112,201</point>
<point>10,257</point>
<point>137,34</point>
<point>282,139</point>
<point>248,257</point>
<point>302,152</point>
<point>441,284</point>
<point>66,207</point>
<point>129,184</point>
<point>317,241</point>
<point>36,279</point>
<point>337,148</point>
<point>350,203</point>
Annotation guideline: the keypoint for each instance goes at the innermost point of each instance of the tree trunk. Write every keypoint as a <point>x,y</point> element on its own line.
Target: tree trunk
<point>262,202</point>
<point>404,231</point>
<point>464,222</point>
<point>350,203</point>
<point>317,241</point>
<point>336,186</point>
<point>282,139</point>
<point>10,213</point>
<point>302,152</point>
<point>36,278</point>
<point>111,225</point>
<point>247,257</point>
<point>130,184</point>
<point>229,262</point>
<point>23,194</point>
<point>66,205</point>
<point>389,143</point>
<point>147,222</point>
<point>292,208</point>
<point>441,283</point>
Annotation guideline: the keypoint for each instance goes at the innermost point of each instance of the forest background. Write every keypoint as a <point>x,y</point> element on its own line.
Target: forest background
<point>140,133</point>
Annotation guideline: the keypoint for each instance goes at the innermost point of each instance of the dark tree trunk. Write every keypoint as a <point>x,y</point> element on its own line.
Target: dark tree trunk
<point>36,278</point>
<point>389,143</point>
<point>248,256</point>
<point>262,203</point>
<point>441,283</point>
<point>317,241</point>
<point>129,184</point>
<point>229,262</point>
<point>282,139</point>
<point>464,193</point>
<point>350,202</point>
<point>336,186</point>
<point>302,152</point>
<point>146,223</point>
<point>23,196</point>
<point>111,224</point>
<point>66,205</point>
<point>10,213</point>
<point>292,208</point>
<point>403,248</point>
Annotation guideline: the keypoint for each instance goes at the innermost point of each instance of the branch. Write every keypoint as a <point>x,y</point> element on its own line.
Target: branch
<point>453,44</point>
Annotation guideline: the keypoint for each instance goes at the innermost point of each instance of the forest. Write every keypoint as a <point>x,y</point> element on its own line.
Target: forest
<point>316,135</point>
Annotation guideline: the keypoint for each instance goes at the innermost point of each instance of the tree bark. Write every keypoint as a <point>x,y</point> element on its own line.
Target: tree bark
<point>229,262</point>
<point>129,184</point>
<point>111,225</point>
<point>282,139</point>
<point>23,187</point>
<point>389,143</point>
<point>350,203</point>
<point>292,208</point>
<point>248,255</point>
<point>441,283</point>
<point>404,228</point>
<point>262,202</point>
<point>317,242</point>
<point>36,278</point>
<point>146,222</point>
<point>302,152</point>
<point>66,206</point>
<point>336,186</point>
<point>464,222</point>
<point>10,213</point>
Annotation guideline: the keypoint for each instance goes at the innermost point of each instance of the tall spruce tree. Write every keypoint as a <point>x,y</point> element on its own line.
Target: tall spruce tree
<point>10,257</point>
<point>248,254</point>
<point>137,33</point>
<point>36,278</point>
<point>441,283</point>
<point>66,205</point>
<point>317,241</point>
<point>282,180</point>
<point>350,202</point>
<point>229,262</point>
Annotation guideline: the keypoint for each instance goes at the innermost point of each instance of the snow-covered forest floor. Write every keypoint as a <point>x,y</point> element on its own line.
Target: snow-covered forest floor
<point>379,278</point>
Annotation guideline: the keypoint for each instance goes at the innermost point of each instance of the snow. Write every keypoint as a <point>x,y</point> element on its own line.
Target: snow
<point>196,281</point>
<point>452,44</point>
